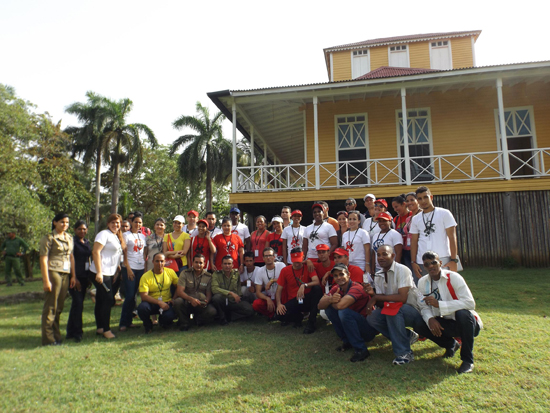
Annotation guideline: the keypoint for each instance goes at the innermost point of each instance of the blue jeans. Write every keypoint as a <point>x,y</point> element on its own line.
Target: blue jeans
<point>146,310</point>
<point>131,288</point>
<point>393,327</point>
<point>351,327</point>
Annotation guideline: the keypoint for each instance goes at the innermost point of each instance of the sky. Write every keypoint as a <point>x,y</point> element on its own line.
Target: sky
<point>166,55</point>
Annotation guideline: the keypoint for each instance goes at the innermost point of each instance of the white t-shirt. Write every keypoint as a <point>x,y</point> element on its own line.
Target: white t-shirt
<point>245,276</point>
<point>371,227</point>
<point>354,242</point>
<point>317,235</point>
<point>241,230</point>
<point>392,237</point>
<point>134,249</point>
<point>186,229</point>
<point>435,237</point>
<point>263,276</point>
<point>293,237</point>
<point>110,254</point>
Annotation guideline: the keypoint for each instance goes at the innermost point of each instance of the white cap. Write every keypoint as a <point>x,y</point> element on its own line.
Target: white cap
<point>277,219</point>
<point>179,218</point>
<point>369,196</point>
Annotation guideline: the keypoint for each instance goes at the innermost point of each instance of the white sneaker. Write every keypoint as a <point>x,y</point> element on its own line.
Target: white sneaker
<point>414,337</point>
<point>403,359</point>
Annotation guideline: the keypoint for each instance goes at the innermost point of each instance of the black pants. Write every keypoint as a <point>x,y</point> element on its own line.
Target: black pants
<point>184,309</point>
<point>103,302</point>
<point>294,310</point>
<point>74,324</point>
<point>229,310</point>
<point>146,310</point>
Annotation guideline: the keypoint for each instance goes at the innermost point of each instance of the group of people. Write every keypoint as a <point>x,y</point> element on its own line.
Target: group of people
<point>363,271</point>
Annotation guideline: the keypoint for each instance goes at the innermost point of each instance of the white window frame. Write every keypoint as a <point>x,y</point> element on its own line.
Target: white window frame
<point>395,51</point>
<point>353,75</point>
<point>405,135</point>
<point>337,149</point>
<point>450,53</point>
<point>533,130</point>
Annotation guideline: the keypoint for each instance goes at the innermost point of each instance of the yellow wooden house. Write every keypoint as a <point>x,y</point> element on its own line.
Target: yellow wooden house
<point>345,138</point>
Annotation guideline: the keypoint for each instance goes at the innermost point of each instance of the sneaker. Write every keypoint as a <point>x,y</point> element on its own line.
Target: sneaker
<point>403,359</point>
<point>450,352</point>
<point>184,327</point>
<point>465,368</point>
<point>414,337</point>
<point>343,347</point>
<point>359,356</point>
<point>310,329</point>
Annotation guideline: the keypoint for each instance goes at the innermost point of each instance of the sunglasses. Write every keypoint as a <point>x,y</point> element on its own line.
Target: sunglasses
<point>349,203</point>
<point>430,263</point>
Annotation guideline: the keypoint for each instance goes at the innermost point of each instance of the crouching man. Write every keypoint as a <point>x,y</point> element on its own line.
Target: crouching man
<point>346,307</point>
<point>156,296</point>
<point>448,310</point>
<point>193,295</point>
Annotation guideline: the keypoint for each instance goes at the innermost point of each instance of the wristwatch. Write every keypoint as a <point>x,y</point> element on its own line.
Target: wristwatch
<point>305,285</point>
<point>454,260</point>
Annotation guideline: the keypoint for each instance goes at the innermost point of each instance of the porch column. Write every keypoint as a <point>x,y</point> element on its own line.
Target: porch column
<point>252,162</point>
<point>264,172</point>
<point>316,140</point>
<point>234,166</point>
<point>503,141</point>
<point>406,136</point>
<point>305,149</point>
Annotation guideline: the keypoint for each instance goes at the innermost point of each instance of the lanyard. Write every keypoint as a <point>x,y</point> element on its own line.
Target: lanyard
<point>295,237</point>
<point>351,241</point>
<point>227,243</point>
<point>299,281</point>
<point>267,273</point>
<point>428,226</point>
<point>377,244</point>
<point>313,235</point>
<point>258,237</point>
<point>225,281</point>
<point>372,226</point>
<point>159,285</point>
<point>158,244</point>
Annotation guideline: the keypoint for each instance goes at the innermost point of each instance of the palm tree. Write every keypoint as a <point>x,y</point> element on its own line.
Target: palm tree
<point>206,156</point>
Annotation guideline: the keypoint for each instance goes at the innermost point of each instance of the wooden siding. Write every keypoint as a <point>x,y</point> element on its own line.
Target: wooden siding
<point>342,65</point>
<point>462,53</point>
<point>378,57</point>
<point>419,55</point>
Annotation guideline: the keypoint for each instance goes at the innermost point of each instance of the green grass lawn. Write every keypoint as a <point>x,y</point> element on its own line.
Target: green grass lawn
<point>255,366</point>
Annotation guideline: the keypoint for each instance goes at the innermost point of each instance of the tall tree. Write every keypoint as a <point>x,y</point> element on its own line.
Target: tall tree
<point>206,156</point>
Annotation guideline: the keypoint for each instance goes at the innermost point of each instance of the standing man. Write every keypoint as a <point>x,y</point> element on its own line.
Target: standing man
<point>395,296</point>
<point>432,230</point>
<point>239,228</point>
<point>192,218</point>
<point>227,293</point>
<point>346,307</point>
<point>302,293</point>
<point>193,295</point>
<point>448,310</point>
<point>369,204</point>
<point>351,205</point>
<point>285,215</point>
<point>292,235</point>
<point>210,217</point>
<point>318,233</point>
<point>327,218</point>
<point>11,250</point>
<point>266,284</point>
<point>156,298</point>
<point>248,277</point>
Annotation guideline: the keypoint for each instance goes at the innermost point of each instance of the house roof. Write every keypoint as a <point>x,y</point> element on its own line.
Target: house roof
<point>401,39</point>
<point>389,71</point>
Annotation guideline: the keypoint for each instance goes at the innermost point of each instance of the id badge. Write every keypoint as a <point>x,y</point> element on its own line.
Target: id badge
<point>65,266</point>
<point>86,266</point>
<point>366,277</point>
<point>301,301</point>
<point>408,242</point>
<point>227,301</point>
<point>255,253</point>
<point>160,298</point>
<point>327,288</point>
<point>248,283</point>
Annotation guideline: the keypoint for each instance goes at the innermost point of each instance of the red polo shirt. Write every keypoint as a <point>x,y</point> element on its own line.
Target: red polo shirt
<point>291,280</point>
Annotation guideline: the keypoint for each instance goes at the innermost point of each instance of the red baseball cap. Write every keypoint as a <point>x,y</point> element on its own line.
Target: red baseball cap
<point>193,212</point>
<point>322,247</point>
<point>296,255</point>
<point>381,201</point>
<point>296,212</point>
<point>203,221</point>
<point>384,216</point>
<point>318,206</point>
<point>341,251</point>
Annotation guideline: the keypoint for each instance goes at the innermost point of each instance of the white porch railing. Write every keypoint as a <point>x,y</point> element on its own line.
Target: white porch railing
<point>524,163</point>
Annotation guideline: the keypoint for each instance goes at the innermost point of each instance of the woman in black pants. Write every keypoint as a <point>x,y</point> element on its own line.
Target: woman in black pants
<point>82,252</point>
<point>106,254</point>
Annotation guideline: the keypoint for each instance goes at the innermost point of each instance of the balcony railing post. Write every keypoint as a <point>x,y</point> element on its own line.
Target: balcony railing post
<point>316,141</point>
<point>503,140</point>
<point>405,136</point>
<point>234,163</point>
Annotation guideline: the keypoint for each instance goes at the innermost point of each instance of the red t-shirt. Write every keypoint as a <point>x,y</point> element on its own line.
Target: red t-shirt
<point>257,245</point>
<point>291,279</point>
<point>322,270</point>
<point>355,273</point>
<point>400,222</point>
<point>201,246</point>
<point>274,241</point>
<point>227,245</point>
<point>359,295</point>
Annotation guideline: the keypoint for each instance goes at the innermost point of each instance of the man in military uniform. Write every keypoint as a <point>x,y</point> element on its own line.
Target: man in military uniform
<point>11,250</point>
<point>193,295</point>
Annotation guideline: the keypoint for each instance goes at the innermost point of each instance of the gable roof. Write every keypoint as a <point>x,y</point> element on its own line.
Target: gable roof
<point>400,39</point>
<point>390,71</point>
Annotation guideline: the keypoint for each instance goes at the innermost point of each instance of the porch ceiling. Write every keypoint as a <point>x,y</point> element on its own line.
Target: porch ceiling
<point>276,114</point>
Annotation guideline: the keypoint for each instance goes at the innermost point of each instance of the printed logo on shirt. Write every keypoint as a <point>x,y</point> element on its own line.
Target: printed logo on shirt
<point>349,246</point>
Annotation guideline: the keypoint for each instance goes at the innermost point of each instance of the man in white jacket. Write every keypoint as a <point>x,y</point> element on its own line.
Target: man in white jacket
<point>448,310</point>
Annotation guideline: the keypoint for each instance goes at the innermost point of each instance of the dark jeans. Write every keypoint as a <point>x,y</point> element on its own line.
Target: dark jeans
<point>131,289</point>
<point>103,302</point>
<point>146,310</point>
<point>184,310</point>
<point>74,325</point>
<point>351,327</point>
<point>464,326</point>
<point>294,309</point>
<point>229,310</point>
